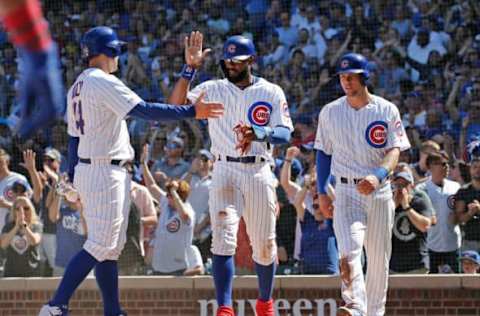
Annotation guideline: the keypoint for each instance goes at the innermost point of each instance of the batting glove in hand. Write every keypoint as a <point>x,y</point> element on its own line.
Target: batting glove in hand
<point>42,95</point>
<point>245,136</point>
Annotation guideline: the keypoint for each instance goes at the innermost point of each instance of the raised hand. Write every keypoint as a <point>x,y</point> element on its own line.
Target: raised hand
<point>292,152</point>
<point>205,110</point>
<point>194,53</point>
<point>29,160</point>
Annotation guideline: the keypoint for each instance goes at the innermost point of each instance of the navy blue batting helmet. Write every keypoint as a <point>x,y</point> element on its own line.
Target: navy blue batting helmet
<point>353,63</point>
<point>238,48</point>
<point>101,40</point>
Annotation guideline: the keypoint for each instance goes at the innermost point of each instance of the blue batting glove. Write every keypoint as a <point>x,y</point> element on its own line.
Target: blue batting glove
<point>42,97</point>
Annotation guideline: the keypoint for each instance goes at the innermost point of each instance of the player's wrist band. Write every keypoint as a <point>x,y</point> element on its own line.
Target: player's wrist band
<point>262,133</point>
<point>381,173</point>
<point>188,72</point>
<point>27,27</point>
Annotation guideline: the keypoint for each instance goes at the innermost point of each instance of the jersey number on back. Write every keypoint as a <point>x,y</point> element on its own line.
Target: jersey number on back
<point>77,112</point>
<point>77,107</point>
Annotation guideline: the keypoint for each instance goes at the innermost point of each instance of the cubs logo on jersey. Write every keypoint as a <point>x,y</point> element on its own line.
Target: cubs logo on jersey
<point>174,225</point>
<point>259,113</point>
<point>376,134</point>
<point>8,194</point>
<point>451,202</point>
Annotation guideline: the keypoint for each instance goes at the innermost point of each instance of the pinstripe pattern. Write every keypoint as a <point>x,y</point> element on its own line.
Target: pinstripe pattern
<point>105,101</point>
<point>100,102</point>
<point>358,141</point>
<point>365,221</point>
<point>243,189</point>
<point>248,191</point>
<point>105,193</point>
<point>237,103</point>
<point>342,131</point>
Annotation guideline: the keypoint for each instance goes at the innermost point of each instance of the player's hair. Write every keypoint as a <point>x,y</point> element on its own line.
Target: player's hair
<point>183,189</point>
<point>429,145</point>
<point>436,157</point>
<point>13,213</point>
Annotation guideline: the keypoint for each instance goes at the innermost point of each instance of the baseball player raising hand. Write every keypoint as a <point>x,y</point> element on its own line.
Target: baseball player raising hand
<point>256,117</point>
<point>359,139</point>
<point>98,103</point>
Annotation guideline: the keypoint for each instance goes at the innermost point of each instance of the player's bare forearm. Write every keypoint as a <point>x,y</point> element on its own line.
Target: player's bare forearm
<point>390,160</point>
<point>179,93</point>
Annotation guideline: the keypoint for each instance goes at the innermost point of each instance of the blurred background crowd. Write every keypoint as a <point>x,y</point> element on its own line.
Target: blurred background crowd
<point>424,56</point>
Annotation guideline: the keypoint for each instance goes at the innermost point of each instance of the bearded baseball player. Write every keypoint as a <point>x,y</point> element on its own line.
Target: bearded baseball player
<point>358,141</point>
<point>256,117</point>
<point>98,103</point>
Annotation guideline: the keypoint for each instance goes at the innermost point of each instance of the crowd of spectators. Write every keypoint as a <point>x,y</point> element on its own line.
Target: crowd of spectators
<point>424,56</point>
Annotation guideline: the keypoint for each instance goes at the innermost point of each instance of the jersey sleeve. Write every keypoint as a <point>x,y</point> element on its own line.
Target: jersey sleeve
<point>397,137</point>
<point>193,94</point>
<point>280,112</point>
<point>322,139</point>
<point>115,95</point>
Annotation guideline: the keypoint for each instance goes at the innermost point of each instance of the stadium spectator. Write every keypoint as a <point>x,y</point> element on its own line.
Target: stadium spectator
<point>199,178</point>
<point>318,247</point>
<point>420,168</point>
<point>7,179</point>
<point>444,238</point>
<point>174,232</point>
<point>71,228</point>
<point>467,207</point>
<point>142,213</point>
<point>194,262</point>
<point>173,166</point>
<point>414,215</point>
<point>21,237</point>
<point>287,33</point>
<point>470,261</point>
<point>43,196</point>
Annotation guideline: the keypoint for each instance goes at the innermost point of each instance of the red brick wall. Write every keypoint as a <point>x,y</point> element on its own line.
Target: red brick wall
<point>297,296</point>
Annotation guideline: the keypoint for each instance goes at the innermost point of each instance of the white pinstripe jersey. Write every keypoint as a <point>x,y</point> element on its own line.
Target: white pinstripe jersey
<point>359,139</point>
<point>97,104</point>
<point>263,104</point>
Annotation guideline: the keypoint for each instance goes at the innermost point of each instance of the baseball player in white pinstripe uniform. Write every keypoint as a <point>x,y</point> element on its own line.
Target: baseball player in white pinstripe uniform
<point>98,103</point>
<point>359,139</point>
<point>256,116</point>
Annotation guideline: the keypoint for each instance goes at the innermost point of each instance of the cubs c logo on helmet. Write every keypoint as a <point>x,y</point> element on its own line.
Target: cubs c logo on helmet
<point>376,134</point>
<point>173,226</point>
<point>231,48</point>
<point>259,113</point>
<point>344,64</point>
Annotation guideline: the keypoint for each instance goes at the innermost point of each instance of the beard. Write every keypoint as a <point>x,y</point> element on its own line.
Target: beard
<point>240,77</point>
